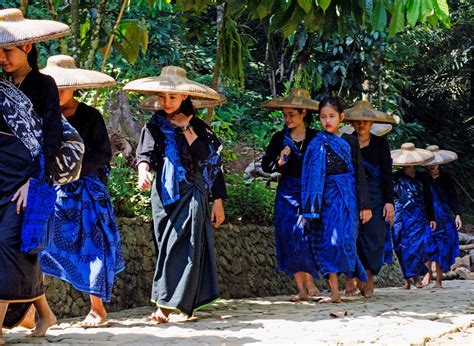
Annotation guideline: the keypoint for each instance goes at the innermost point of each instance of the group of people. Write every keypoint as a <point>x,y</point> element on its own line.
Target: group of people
<point>335,197</point>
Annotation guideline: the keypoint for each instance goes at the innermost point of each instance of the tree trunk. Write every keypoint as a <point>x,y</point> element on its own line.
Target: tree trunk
<point>54,16</point>
<point>24,7</point>
<point>95,35</point>
<point>120,118</point>
<point>76,32</point>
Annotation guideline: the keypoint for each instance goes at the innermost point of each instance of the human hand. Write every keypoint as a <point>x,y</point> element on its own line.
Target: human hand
<point>284,156</point>
<point>217,213</point>
<point>21,196</point>
<point>432,225</point>
<point>365,215</point>
<point>145,178</point>
<point>388,212</point>
<point>458,222</point>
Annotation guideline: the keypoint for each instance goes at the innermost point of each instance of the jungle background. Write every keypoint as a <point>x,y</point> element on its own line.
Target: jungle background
<point>411,58</point>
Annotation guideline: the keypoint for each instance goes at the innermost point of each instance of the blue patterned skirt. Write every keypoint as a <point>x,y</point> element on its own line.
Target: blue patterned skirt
<point>85,249</point>
<point>388,246</point>
<point>293,246</point>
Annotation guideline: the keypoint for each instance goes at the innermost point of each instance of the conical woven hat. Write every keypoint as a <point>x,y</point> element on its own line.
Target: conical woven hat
<point>408,155</point>
<point>363,110</point>
<point>152,103</point>
<point>441,156</point>
<point>376,129</point>
<point>172,80</point>
<point>66,75</point>
<point>299,98</point>
<point>15,30</point>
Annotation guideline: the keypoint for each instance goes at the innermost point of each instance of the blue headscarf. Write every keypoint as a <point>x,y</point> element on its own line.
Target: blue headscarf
<point>314,170</point>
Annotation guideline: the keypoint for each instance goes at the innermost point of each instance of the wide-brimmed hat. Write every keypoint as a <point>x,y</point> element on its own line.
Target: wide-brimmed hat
<point>376,129</point>
<point>440,156</point>
<point>363,110</point>
<point>15,30</point>
<point>408,155</point>
<point>172,80</point>
<point>152,103</point>
<point>66,75</point>
<point>299,98</point>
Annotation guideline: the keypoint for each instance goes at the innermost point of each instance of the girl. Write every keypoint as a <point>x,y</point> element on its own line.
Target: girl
<point>183,151</point>
<point>378,168</point>
<point>85,249</point>
<point>414,214</point>
<point>334,197</point>
<point>285,154</point>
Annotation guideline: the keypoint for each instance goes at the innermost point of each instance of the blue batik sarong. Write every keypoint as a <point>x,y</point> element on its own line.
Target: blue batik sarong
<point>85,249</point>
<point>388,246</point>
<point>445,239</point>
<point>330,205</point>
<point>411,230</point>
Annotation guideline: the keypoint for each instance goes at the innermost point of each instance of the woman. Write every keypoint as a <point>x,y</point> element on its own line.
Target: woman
<point>378,169</point>
<point>284,154</point>
<point>445,239</point>
<point>334,197</point>
<point>85,234</point>
<point>183,152</point>
<point>414,214</point>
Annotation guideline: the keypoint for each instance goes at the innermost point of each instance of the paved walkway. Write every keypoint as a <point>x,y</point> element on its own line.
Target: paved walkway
<point>394,316</point>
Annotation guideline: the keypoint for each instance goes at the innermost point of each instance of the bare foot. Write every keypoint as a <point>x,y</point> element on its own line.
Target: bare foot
<point>94,319</point>
<point>298,297</point>
<point>418,283</point>
<point>2,340</point>
<point>438,285</point>
<point>160,315</point>
<point>29,321</point>
<point>313,292</point>
<point>43,325</point>
<point>350,287</point>
<point>406,284</point>
<point>426,279</point>
<point>336,298</point>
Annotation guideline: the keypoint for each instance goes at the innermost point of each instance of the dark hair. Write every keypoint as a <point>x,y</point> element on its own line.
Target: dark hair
<point>32,57</point>
<point>333,101</point>
<point>187,107</point>
<point>308,118</point>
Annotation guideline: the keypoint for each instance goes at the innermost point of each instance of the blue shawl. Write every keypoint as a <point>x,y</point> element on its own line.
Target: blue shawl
<point>314,170</point>
<point>288,141</point>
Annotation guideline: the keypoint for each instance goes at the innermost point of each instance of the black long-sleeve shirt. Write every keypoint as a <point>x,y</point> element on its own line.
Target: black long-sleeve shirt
<point>91,127</point>
<point>151,149</point>
<point>378,153</point>
<point>444,182</point>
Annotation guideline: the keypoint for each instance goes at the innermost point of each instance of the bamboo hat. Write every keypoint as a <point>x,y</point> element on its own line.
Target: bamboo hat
<point>299,98</point>
<point>408,155</point>
<point>66,75</point>
<point>15,30</point>
<point>363,110</point>
<point>441,156</point>
<point>376,129</point>
<point>172,80</point>
<point>152,103</point>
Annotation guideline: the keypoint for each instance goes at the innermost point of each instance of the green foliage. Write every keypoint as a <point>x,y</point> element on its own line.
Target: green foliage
<point>248,202</point>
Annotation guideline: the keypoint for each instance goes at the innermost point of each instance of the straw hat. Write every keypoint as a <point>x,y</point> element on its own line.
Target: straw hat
<point>408,155</point>
<point>299,98</point>
<point>15,30</point>
<point>172,80</point>
<point>151,103</point>
<point>376,129</point>
<point>441,156</point>
<point>363,110</point>
<point>66,75</point>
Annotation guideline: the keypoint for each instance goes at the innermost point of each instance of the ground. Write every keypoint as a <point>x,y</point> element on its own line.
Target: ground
<point>394,316</point>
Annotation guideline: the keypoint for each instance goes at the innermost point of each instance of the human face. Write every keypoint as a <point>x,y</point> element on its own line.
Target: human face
<point>362,127</point>
<point>330,118</point>
<point>171,102</point>
<point>14,59</point>
<point>65,95</point>
<point>294,118</point>
<point>433,170</point>
<point>409,170</point>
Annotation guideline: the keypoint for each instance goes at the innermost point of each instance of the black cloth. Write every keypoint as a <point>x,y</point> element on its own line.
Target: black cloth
<point>91,127</point>
<point>294,166</point>
<point>378,153</point>
<point>424,179</point>
<point>151,149</point>
<point>445,182</point>
<point>4,126</point>
<point>43,93</point>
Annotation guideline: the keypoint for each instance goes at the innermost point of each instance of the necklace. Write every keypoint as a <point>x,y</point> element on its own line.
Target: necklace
<point>19,84</point>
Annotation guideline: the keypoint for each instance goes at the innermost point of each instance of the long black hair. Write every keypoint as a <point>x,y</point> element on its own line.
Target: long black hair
<point>32,57</point>
<point>333,101</point>
<point>187,107</point>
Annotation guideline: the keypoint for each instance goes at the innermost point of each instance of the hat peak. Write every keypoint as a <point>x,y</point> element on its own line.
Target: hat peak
<point>408,146</point>
<point>64,61</point>
<point>432,148</point>
<point>173,71</point>
<point>11,15</point>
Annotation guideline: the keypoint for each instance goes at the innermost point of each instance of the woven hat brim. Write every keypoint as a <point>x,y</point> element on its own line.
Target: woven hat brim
<point>152,104</point>
<point>176,85</point>
<point>291,102</point>
<point>415,157</point>
<point>442,157</point>
<point>368,115</point>
<point>376,129</point>
<point>31,31</point>
<point>78,78</point>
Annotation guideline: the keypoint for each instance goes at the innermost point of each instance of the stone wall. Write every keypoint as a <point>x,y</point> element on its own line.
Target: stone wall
<point>246,262</point>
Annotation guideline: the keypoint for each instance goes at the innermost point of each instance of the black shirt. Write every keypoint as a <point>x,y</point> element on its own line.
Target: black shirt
<point>91,127</point>
<point>293,167</point>
<point>444,182</point>
<point>378,153</point>
<point>151,149</point>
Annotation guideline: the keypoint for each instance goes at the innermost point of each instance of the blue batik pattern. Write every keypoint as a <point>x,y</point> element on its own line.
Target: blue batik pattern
<point>388,246</point>
<point>288,141</point>
<point>85,249</point>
